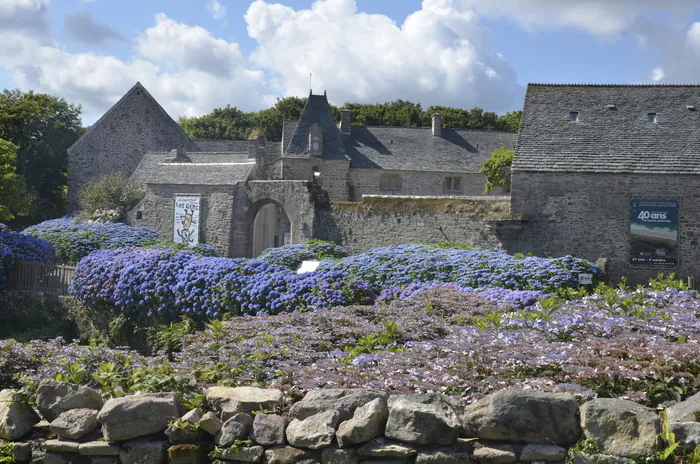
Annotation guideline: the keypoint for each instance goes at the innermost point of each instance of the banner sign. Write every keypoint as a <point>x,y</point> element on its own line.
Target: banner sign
<point>186,220</point>
<point>654,232</point>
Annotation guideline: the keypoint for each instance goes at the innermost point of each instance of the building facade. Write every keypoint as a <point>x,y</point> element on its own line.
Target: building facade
<point>258,194</point>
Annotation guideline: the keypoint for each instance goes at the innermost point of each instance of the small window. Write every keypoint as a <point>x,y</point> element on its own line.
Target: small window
<point>389,182</point>
<point>316,144</point>
<point>453,184</point>
<point>651,118</point>
<point>573,116</point>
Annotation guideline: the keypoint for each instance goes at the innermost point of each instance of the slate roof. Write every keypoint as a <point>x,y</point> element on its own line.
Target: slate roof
<point>605,140</point>
<point>228,146</point>
<point>205,169</point>
<point>417,149</point>
<point>316,111</point>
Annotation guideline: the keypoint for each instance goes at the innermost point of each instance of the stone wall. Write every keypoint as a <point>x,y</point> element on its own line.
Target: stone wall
<point>118,141</point>
<point>367,182</point>
<point>332,426</point>
<point>215,216</point>
<point>380,222</point>
<point>588,216</point>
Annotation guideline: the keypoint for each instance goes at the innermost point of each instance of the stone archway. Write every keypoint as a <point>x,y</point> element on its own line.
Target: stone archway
<point>271,228</point>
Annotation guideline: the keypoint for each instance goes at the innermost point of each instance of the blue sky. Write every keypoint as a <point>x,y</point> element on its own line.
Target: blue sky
<point>194,55</point>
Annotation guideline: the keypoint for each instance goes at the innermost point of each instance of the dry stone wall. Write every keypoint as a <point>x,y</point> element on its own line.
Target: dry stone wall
<point>332,426</point>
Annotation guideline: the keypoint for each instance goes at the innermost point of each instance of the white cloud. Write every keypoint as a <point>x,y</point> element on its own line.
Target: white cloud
<point>29,15</point>
<point>189,47</point>
<point>217,10</point>
<point>598,17</point>
<point>657,74</point>
<point>182,86</point>
<point>441,54</point>
<point>81,26</point>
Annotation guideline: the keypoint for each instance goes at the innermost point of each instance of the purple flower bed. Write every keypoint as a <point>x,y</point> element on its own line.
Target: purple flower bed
<point>291,256</point>
<point>403,265</point>
<point>19,247</point>
<point>162,284</point>
<point>640,345</point>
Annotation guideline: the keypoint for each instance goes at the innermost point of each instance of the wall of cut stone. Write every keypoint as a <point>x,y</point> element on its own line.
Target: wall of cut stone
<point>249,424</point>
<point>588,216</point>
<point>360,229</point>
<point>367,182</point>
<point>136,125</point>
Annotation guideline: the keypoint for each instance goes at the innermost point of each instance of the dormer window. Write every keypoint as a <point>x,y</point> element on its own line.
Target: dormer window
<point>651,118</point>
<point>315,140</point>
<point>573,116</point>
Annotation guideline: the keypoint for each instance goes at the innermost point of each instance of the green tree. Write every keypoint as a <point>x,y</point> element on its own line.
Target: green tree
<point>42,127</point>
<point>497,169</point>
<point>112,192</point>
<point>13,198</point>
<point>511,121</point>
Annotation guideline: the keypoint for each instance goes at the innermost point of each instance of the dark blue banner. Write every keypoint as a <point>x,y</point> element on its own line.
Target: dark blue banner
<point>654,232</point>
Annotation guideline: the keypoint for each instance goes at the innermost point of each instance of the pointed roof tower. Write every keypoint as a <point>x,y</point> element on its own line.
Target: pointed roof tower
<point>316,112</point>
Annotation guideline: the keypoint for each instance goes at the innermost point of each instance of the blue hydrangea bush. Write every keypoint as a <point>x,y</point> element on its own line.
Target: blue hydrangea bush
<point>291,256</point>
<point>20,247</point>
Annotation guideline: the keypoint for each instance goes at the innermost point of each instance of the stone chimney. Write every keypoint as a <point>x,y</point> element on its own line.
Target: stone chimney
<point>437,124</point>
<point>178,156</point>
<point>345,121</point>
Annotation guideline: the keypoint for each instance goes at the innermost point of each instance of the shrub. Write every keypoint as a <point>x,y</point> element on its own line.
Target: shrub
<point>108,198</point>
<point>74,240</point>
<point>20,247</point>
<point>291,256</point>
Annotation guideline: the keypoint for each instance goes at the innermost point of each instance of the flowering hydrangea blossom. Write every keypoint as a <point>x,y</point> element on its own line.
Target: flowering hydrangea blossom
<point>291,256</point>
<point>20,247</point>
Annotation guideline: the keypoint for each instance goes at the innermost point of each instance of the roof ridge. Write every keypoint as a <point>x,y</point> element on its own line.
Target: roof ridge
<point>546,84</point>
<point>491,131</point>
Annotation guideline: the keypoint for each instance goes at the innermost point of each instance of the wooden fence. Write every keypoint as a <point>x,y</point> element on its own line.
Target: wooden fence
<point>41,278</point>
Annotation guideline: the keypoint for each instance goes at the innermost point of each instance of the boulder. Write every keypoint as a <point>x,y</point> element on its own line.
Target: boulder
<point>52,458</point>
<point>367,423</point>
<point>314,432</point>
<point>524,416</point>
<point>104,460</point>
<point>687,433</point>
<point>495,454</point>
<point>542,452</point>
<point>339,456</point>
<point>210,423</point>
<point>343,400</point>
<point>60,446</point>
<point>442,456</point>
<point>138,415</point>
<point>22,452</point>
<point>97,448</point>
<point>685,411</point>
<point>422,423</point>
<point>193,416</point>
<point>236,428</point>
<point>144,452</point>
<point>16,416</point>
<point>269,429</point>
<point>289,455</point>
<point>54,397</point>
<point>381,448</point>
<point>75,423</point>
<point>230,401</point>
<point>620,427</point>
<point>183,435</point>
<point>242,454</point>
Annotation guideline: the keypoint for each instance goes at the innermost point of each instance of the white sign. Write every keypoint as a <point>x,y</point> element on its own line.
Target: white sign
<point>186,220</point>
<point>308,266</point>
<point>287,238</point>
<point>585,279</point>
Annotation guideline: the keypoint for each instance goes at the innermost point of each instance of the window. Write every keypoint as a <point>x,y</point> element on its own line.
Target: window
<point>453,184</point>
<point>389,182</point>
<point>651,118</point>
<point>573,116</point>
<point>316,144</point>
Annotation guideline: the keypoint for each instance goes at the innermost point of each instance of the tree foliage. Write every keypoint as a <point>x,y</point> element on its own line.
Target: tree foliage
<point>112,192</point>
<point>13,198</point>
<point>42,127</point>
<point>497,169</point>
<point>233,124</point>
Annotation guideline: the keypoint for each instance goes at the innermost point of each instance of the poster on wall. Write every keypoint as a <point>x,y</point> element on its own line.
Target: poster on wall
<point>186,220</point>
<point>654,232</point>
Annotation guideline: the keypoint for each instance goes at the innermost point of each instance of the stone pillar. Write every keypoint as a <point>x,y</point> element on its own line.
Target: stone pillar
<point>437,124</point>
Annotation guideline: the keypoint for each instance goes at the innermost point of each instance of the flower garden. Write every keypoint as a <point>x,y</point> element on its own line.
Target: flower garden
<point>403,318</point>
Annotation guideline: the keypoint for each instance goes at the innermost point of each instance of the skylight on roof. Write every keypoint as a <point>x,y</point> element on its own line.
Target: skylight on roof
<point>573,116</point>
<point>652,118</point>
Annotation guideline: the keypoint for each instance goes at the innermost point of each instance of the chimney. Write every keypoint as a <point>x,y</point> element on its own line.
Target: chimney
<point>345,121</point>
<point>437,124</point>
<point>178,156</point>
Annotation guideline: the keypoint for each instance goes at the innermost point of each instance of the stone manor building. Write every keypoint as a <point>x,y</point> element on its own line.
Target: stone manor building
<point>258,194</point>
